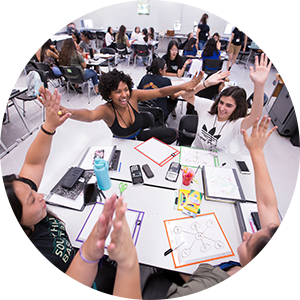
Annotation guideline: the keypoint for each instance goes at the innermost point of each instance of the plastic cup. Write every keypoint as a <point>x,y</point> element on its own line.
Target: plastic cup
<point>187,177</point>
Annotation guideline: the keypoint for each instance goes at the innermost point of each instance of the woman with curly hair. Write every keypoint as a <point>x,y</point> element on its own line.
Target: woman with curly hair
<point>121,113</point>
<point>69,56</point>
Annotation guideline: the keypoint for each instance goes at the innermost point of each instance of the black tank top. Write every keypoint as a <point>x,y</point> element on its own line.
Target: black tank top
<point>130,132</point>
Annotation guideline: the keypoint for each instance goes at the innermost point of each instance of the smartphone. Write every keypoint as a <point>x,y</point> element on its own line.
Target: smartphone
<point>136,174</point>
<point>242,167</point>
<point>173,171</point>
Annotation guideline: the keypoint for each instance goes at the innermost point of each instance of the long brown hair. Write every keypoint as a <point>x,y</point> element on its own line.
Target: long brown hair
<point>68,49</point>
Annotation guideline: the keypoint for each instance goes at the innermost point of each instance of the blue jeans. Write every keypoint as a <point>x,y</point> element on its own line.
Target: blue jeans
<point>201,45</point>
<point>56,71</point>
<point>89,73</point>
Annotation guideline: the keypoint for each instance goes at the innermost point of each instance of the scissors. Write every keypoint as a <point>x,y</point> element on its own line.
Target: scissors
<point>122,187</point>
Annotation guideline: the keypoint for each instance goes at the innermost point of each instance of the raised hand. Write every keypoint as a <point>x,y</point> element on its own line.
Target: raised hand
<point>260,74</point>
<point>190,86</point>
<point>216,78</point>
<point>93,248</point>
<point>259,135</point>
<point>52,106</point>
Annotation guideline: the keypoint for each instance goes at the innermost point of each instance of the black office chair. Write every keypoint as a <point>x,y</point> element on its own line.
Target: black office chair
<point>142,51</point>
<point>111,61</point>
<point>156,111</point>
<point>100,35</point>
<point>50,75</point>
<point>74,75</point>
<point>211,66</point>
<point>121,52</point>
<point>148,118</point>
<point>187,130</point>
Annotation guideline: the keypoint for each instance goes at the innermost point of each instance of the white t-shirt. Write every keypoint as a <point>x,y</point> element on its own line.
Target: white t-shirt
<point>109,39</point>
<point>212,134</point>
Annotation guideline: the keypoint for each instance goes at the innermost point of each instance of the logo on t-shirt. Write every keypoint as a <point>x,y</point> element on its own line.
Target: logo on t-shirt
<point>208,137</point>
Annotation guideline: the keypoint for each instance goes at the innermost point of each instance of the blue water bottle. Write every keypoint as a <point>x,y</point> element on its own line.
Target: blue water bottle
<point>101,172</point>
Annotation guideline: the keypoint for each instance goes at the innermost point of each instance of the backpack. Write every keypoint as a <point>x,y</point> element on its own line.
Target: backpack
<point>34,82</point>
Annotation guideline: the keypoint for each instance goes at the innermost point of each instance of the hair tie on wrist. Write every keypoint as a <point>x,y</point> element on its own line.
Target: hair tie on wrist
<point>86,260</point>
<point>47,132</point>
<point>204,84</point>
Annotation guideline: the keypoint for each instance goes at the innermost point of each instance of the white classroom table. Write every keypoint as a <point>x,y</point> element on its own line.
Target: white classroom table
<point>156,199</point>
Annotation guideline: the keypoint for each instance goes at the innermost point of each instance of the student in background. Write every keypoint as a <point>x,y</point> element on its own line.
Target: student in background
<point>87,42</point>
<point>49,55</point>
<point>121,113</point>
<point>154,80</point>
<point>109,37</point>
<point>210,51</point>
<point>152,34</point>
<point>237,39</point>
<point>122,37</point>
<point>69,56</point>
<point>48,233</point>
<point>136,33</point>
<point>202,32</point>
<point>77,39</point>
<point>175,65</point>
<point>190,49</point>
<point>216,36</point>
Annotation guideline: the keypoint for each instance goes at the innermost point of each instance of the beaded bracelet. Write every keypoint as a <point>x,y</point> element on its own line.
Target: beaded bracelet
<point>47,132</point>
<point>86,260</point>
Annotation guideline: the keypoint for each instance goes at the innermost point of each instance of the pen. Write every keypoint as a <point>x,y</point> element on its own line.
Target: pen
<point>223,164</point>
<point>171,250</point>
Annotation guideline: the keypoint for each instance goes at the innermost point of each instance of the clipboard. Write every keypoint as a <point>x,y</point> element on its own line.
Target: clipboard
<point>222,184</point>
<point>157,151</point>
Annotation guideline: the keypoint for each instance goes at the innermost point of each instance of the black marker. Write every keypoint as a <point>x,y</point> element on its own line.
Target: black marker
<point>171,250</point>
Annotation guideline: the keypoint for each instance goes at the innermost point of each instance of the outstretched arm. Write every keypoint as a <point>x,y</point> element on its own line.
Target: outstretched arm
<point>266,198</point>
<point>38,152</point>
<point>93,248</point>
<point>259,77</point>
<point>214,79</point>
<point>122,250</point>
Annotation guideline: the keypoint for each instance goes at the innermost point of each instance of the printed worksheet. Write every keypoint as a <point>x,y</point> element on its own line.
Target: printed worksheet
<point>200,239</point>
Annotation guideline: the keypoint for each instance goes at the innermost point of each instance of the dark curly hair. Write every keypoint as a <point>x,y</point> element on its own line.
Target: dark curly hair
<point>110,82</point>
<point>239,95</point>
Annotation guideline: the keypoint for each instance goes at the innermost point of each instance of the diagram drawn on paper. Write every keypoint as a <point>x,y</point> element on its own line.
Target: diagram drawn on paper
<point>194,157</point>
<point>200,239</point>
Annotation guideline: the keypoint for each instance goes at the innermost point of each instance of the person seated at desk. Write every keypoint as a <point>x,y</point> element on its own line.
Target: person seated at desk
<point>159,286</point>
<point>49,55</point>
<point>221,121</point>
<point>121,113</point>
<point>48,233</point>
<point>175,65</point>
<point>69,56</point>
<point>122,38</point>
<point>216,36</point>
<point>190,49</point>
<point>143,39</point>
<point>136,33</point>
<point>77,39</point>
<point>210,51</point>
<point>154,80</point>
<point>87,42</point>
<point>109,38</point>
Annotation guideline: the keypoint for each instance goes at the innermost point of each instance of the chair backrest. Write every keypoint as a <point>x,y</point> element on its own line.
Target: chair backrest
<point>148,118</point>
<point>141,50</point>
<point>108,51</point>
<point>44,67</point>
<point>121,48</point>
<point>187,130</point>
<point>157,112</point>
<point>250,100</point>
<point>212,65</point>
<point>73,74</point>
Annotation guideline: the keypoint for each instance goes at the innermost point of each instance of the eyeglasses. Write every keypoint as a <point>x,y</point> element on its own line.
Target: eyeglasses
<point>174,50</point>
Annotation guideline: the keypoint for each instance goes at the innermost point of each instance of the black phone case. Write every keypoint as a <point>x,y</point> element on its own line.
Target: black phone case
<point>147,171</point>
<point>136,174</point>
<point>71,177</point>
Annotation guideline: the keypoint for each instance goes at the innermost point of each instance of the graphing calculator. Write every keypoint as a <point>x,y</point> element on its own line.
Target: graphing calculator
<point>136,174</point>
<point>173,171</point>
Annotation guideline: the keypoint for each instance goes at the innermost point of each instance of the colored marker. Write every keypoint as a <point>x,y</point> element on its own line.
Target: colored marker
<point>171,250</point>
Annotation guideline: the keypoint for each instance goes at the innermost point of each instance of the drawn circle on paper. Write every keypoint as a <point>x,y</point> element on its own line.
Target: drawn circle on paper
<point>219,245</point>
<point>204,247</point>
<point>195,226</point>
<point>199,236</point>
<point>177,229</point>
<point>210,224</point>
<point>185,253</point>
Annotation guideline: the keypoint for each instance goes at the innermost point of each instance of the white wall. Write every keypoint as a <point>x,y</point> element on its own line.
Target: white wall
<point>161,18</point>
